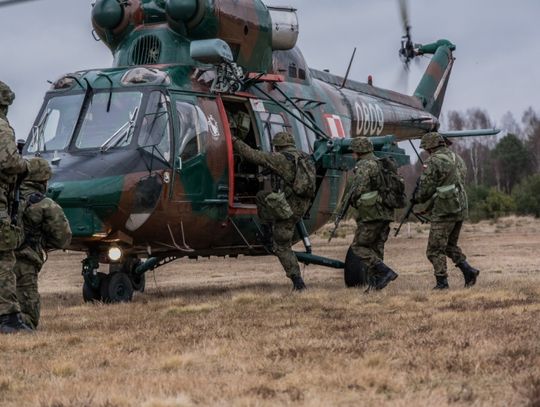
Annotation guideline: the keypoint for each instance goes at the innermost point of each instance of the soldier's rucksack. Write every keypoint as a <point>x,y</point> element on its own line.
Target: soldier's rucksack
<point>305,179</point>
<point>393,185</point>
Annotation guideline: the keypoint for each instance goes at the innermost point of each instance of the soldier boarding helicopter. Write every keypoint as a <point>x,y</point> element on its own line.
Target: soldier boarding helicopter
<point>142,152</point>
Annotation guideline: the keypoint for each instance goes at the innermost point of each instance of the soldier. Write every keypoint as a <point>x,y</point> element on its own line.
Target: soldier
<point>45,228</point>
<point>282,164</point>
<point>373,216</point>
<point>11,165</point>
<point>442,187</point>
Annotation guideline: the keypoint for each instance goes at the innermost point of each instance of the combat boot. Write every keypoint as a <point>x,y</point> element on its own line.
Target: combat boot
<point>442,283</point>
<point>12,323</point>
<point>298,283</point>
<point>470,274</point>
<point>385,275</point>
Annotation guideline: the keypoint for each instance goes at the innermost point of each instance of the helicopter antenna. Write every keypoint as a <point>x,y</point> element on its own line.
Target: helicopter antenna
<point>348,69</point>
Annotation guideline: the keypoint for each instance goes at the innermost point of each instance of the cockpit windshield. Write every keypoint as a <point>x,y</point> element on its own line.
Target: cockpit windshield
<point>109,124</point>
<point>55,126</point>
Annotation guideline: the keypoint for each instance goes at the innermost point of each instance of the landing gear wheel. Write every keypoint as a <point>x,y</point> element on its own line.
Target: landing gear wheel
<point>138,282</point>
<point>91,294</point>
<point>117,287</point>
<point>355,271</point>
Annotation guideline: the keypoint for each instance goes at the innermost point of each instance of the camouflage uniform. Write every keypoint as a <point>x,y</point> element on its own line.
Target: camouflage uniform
<point>442,187</point>
<point>373,217</point>
<point>284,169</point>
<point>45,228</point>
<point>11,164</point>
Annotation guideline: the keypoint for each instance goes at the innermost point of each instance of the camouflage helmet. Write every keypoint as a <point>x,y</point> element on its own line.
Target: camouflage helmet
<point>283,139</point>
<point>432,140</point>
<point>6,95</point>
<point>38,170</point>
<point>361,145</point>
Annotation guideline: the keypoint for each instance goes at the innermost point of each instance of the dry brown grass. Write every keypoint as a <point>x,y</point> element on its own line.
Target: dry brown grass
<point>229,332</point>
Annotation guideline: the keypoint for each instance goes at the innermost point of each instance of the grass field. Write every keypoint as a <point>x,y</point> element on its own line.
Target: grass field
<point>230,332</point>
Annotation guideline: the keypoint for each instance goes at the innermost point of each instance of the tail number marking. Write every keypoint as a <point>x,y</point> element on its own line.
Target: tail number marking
<point>369,119</point>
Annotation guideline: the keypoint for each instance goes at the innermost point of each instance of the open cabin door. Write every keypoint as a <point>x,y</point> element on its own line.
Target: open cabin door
<point>256,124</point>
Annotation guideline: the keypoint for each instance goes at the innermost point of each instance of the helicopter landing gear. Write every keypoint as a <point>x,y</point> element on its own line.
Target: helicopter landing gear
<point>117,286</point>
<point>355,271</point>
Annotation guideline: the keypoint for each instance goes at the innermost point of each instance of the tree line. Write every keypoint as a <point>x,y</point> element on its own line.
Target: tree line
<point>503,175</point>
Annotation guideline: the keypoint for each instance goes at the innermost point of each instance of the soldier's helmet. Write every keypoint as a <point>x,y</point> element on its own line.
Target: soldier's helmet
<point>6,95</point>
<point>432,140</point>
<point>38,170</point>
<point>361,145</point>
<point>283,139</point>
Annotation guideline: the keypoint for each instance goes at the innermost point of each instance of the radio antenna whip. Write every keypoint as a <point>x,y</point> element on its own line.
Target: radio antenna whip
<point>348,69</point>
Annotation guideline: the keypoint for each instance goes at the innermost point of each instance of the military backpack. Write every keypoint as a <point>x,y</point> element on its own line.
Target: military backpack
<point>393,186</point>
<point>305,178</point>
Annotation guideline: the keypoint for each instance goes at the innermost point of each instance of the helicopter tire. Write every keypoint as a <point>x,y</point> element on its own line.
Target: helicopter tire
<point>138,282</point>
<point>355,272</point>
<point>91,294</point>
<point>116,287</point>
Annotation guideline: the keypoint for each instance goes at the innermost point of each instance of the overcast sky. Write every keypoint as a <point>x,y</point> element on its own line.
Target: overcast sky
<point>498,51</point>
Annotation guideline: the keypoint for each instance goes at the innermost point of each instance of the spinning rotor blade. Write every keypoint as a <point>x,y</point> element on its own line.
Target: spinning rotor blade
<point>12,2</point>
<point>404,11</point>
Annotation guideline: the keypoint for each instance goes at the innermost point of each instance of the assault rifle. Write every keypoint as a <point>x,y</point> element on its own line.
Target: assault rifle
<point>342,212</point>
<point>410,210</point>
<point>17,190</point>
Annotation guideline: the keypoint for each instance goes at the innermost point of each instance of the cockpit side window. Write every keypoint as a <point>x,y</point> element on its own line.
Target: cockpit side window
<point>273,124</point>
<point>155,135</point>
<point>56,124</point>
<point>193,129</point>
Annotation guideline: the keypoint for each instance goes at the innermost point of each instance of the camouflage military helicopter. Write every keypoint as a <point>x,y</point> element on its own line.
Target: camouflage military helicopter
<point>142,153</point>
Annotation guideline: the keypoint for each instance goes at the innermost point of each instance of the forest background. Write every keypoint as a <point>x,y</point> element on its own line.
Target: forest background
<point>503,176</point>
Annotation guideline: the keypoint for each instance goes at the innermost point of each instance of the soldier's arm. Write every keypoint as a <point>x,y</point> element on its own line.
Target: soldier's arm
<point>55,227</point>
<point>11,161</point>
<point>277,163</point>
<point>429,181</point>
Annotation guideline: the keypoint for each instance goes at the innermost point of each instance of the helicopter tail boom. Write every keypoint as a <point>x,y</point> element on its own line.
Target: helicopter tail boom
<point>432,87</point>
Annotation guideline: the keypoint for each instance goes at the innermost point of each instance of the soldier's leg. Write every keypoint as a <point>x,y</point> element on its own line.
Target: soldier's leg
<point>27,292</point>
<point>470,274</point>
<point>8,295</point>
<point>283,234</point>
<point>436,251</point>
<point>452,249</point>
<point>381,239</point>
<point>364,243</point>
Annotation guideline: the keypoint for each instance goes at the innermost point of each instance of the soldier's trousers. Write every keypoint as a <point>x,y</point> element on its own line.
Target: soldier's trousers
<point>27,291</point>
<point>8,295</point>
<point>442,243</point>
<point>369,240</point>
<point>283,233</point>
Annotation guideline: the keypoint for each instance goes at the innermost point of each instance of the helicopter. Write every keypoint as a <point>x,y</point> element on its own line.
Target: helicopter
<point>142,152</point>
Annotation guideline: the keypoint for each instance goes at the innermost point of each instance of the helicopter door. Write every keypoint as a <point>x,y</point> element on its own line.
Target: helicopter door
<point>247,178</point>
<point>190,162</point>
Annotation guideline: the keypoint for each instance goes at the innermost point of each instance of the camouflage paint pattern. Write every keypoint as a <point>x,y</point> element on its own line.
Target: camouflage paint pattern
<point>192,211</point>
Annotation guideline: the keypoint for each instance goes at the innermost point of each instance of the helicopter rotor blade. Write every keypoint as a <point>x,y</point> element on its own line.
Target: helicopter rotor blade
<point>12,2</point>
<point>404,11</point>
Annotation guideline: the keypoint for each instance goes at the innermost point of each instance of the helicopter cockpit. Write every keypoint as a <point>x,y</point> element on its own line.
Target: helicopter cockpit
<point>119,119</point>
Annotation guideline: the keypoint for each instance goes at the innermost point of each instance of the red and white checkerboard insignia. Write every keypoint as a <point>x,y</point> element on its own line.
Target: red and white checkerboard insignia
<point>335,125</point>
